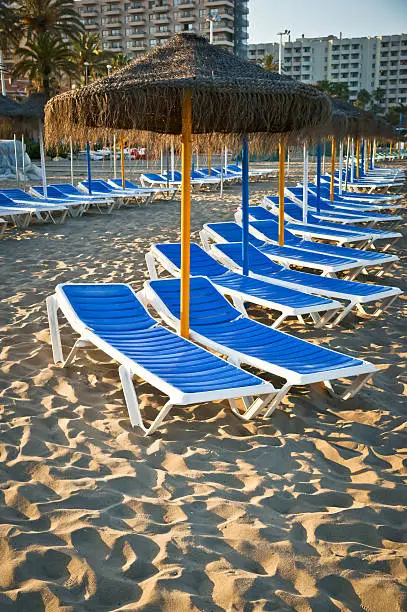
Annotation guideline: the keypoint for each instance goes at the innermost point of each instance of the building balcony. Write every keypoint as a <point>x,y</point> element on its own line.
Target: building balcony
<point>187,4</point>
<point>91,26</point>
<point>136,34</point>
<point>214,3</point>
<point>165,34</point>
<point>161,19</point>
<point>112,10</point>
<point>186,19</point>
<point>137,8</point>
<point>165,6</point>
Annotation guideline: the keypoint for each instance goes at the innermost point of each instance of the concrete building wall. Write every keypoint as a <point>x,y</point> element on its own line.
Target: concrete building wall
<point>135,26</point>
<point>369,63</point>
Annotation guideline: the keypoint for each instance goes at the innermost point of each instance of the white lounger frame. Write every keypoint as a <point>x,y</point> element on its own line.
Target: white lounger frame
<point>207,235</point>
<point>154,259</point>
<point>392,237</point>
<point>386,298</point>
<point>362,373</point>
<point>129,368</point>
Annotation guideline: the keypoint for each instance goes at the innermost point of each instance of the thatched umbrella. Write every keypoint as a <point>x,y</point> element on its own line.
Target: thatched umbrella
<point>187,87</point>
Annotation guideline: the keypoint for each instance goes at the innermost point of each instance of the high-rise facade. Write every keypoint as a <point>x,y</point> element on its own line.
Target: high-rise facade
<point>371,63</point>
<point>135,26</point>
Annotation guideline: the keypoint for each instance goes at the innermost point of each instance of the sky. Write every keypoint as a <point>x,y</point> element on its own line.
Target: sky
<point>325,17</point>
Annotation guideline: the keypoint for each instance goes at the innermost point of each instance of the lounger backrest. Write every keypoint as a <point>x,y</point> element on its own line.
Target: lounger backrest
<point>154,177</point>
<point>99,186</point>
<point>107,308</point>
<point>5,200</point>
<point>18,194</point>
<point>127,184</point>
<point>173,176</point>
<point>270,230</point>
<point>201,262</point>
<point>231,232</point>
<point>258,262</point>
<point>67,189</point>
<point>207,305</point>
<point>259,213</point>
<point>52,192</point>
<point>234,168</point>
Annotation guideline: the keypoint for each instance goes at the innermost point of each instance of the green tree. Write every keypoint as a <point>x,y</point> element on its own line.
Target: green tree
<point>119,60</point>
<point>269,63</point>
<point>87,48</point>
<point>363,98</point>
<point>10,27</point>
<point>336,90</point>
<point>45,60</point>
<point>50,17</point>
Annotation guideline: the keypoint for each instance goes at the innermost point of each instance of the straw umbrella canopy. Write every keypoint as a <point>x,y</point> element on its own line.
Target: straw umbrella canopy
<point>186,87</point>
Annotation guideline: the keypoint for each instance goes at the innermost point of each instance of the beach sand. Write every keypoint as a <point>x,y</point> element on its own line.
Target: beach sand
<point>303,511</point>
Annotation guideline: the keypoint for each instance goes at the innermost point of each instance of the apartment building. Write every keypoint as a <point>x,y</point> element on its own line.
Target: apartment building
<point>371,63</point>
<point>135,26</point>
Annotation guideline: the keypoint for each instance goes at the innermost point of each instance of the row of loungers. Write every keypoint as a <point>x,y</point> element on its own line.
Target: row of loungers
<point>112,317</point>
<point>204,177</point>
<point>21,209</point>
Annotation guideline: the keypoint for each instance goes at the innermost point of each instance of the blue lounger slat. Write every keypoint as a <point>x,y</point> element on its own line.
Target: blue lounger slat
<point>293,211</point>
<point>241,288</point>
<point>111,317</point>
<point>218,325</point>
<point>343,211</point>
<point>232,232</point>
<point>354,294</point>
<point>269,229</point>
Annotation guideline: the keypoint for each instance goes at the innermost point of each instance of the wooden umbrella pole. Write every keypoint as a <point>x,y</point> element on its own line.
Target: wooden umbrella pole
<point>186,210</point>
<point>122,163</point>
<point>331,192</point>
<point>281,154</point>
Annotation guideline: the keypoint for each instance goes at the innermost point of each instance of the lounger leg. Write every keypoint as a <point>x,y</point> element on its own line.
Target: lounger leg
<point>277,399</point>
<point>78,345</point>
<point>2,229</point>
<point>133,408</point>
<point>52,310</point>
<point>354,273</point>
<point>257,406</point>
<point>282,317</point>
<point>152,270</point>
<point>356,386</point>
<point>238,303</point>
<point>351,391</point>
<point>341,315</point>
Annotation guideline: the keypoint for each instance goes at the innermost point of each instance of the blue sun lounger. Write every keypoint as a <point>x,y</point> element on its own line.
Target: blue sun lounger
<point>328,265</point>
<point>111,318</point>
<point>216,324</point>
<point>76,207</point>
<point>148,190</point>
<point>342,236</point>
<point>293,212</point>
<point>354,294</point>
<point>295,194</point>
<point>101,202</point>
<point>100,187</point>
<point>158,180</point>
<point>268,231</point>
<point>361,197</point>
<point>242,289</point>
<point>358,201</point>
<point>44,211</point>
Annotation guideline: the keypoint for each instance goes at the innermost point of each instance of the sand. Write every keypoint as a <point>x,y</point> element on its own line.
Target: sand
<point>304,511</point>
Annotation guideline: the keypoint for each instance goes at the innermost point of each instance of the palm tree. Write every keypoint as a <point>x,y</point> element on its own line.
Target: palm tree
<point>363,98</point>
<point>119,60</point>
<point>268,63</point>
<point>87,48</point>
<point>10,28</point>
<point>50,17</point>
<point>45,61</point>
